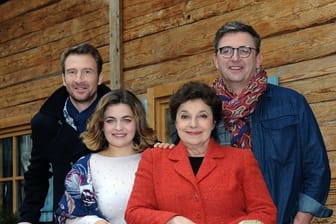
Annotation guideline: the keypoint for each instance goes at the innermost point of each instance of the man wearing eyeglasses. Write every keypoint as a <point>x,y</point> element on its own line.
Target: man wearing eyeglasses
<point>276,123</point>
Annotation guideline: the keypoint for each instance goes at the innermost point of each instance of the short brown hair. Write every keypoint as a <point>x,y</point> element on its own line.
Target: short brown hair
<point>81,49</point>
<point>195,90</point>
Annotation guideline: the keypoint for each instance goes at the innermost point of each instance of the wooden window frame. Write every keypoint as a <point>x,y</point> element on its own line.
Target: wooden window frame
<point>14,133</point>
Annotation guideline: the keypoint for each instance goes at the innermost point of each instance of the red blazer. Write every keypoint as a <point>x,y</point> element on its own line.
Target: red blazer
<point>228,188</point>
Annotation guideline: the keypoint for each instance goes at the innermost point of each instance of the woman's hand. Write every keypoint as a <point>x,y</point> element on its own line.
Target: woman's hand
<point>180,220</point>
<point>250,221</point>
<point>102,222</point>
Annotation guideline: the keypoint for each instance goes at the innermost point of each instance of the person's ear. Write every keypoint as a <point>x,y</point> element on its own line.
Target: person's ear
<point>100,78</point>
<point>259,61</point>
<point>63,79</point>
<point>215,61</point>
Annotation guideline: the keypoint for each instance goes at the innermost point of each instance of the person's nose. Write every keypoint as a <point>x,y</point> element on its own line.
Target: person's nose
<point>193,122</point>
<point>79,76</point>
<point>235,55</point>
<point>118,125</point>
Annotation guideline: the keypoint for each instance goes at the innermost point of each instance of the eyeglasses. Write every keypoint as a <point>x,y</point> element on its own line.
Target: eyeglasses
<point>242,51</point>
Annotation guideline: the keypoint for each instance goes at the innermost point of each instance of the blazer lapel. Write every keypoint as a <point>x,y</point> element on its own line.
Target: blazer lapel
<point>209,162</point>
<point>207,166</point>
<point>182,164</point>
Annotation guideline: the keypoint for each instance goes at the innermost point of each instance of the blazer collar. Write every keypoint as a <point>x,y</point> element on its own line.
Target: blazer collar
<point>182,164</point>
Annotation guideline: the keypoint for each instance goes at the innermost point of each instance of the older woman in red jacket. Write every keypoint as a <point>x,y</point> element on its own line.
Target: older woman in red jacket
<point>198,181</point>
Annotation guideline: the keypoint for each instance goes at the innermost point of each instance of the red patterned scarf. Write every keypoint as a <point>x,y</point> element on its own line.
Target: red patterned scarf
<point>237,108</point>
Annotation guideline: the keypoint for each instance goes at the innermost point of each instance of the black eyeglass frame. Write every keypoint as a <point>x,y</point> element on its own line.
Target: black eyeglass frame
<point>237,48</point>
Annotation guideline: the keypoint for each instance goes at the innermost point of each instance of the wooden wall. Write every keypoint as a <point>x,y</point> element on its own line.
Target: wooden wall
<point>172,40</point>
<point>33,34</point>
<point>166,41</point>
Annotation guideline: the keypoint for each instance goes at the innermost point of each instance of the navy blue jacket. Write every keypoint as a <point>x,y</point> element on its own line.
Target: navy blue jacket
<point>56,145</point>
<point>287,142</point>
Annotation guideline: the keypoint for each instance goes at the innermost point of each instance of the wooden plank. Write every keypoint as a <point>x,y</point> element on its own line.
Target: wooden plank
<point>332,193</point>
<point>115,43</point>
<point>45,67</point>
<point>139,79</point>
<point>25,103</point>
<point>143,18</point>
<point>138,8</point>
<point>276,49</point>
<point>22,129</point>
<point>32,64</point>
<point>78,30</point>
<point>12,9</point>
<point>24,92</point>
<point>304,70</point>
<point>329,136</point>
<point>48,16</point>
<point>325,112</point>
<point>317,89</point>
<point>75,28</point>
<point>18,115</point>
<point>309,43</point>
<point>29,91</point>
<point>198,36</point>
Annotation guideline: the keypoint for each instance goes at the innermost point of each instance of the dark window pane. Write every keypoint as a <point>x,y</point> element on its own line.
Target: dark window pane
<point>6,193</point>
<point>171,133</point>
<point>24,147</point>
<point>20,192</point>
<point>6,157</point>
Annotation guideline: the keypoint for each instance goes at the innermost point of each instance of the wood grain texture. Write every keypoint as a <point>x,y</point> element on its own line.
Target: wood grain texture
<point>164,43</point>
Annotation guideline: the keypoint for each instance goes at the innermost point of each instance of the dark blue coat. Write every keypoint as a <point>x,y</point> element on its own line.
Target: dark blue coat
<point>56,145</point>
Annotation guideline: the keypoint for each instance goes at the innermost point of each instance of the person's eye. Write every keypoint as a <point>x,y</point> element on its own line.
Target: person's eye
<point>244,50</point>
<point>88,71</point>
<point>225,50</point>
<point>128,120</point>
<point>71,72</point>
<point>109,120</point>
<point>204,116</point>
<point>184,116</point>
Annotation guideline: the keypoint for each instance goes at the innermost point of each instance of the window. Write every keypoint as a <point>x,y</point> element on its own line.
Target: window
<point>15,149</point>
<point>14,160</point>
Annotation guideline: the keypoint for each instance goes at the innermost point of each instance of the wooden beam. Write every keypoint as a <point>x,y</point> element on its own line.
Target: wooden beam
<point>115,43</point>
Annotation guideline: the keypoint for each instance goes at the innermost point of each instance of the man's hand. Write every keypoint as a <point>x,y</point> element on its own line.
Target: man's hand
<point>163,145</point>
<point>303,218</point>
